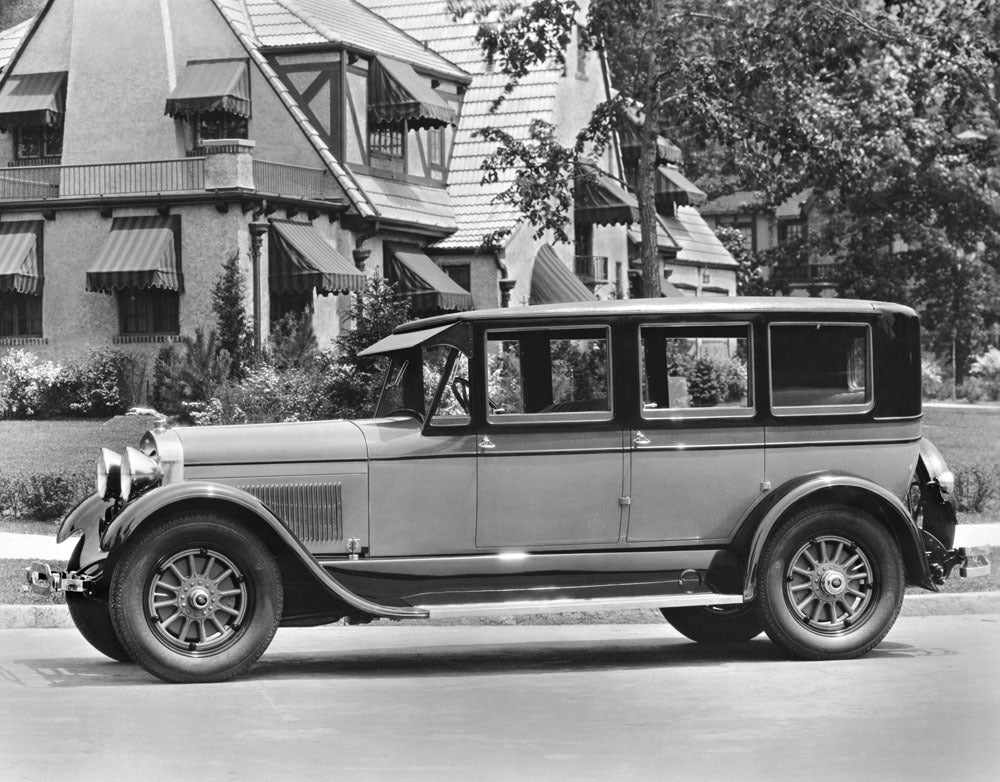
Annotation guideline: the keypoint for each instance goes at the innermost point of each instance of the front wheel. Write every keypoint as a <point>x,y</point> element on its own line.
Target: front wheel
<point>830,584</point>
<point>726,624</point>
<point>196,599</point>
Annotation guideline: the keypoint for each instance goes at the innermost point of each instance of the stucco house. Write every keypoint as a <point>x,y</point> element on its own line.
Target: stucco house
<point>318,141</point>
<point>145,142</point>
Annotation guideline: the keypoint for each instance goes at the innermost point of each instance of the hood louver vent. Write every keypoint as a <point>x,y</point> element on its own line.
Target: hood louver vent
<point>312,511</point>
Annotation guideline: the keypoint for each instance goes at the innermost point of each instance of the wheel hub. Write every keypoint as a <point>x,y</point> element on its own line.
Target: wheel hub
<point>197,600</point>
<point>828,584</point>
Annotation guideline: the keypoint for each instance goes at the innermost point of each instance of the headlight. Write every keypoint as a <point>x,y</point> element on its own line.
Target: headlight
<point>139,472</point>
<point>109,471</point>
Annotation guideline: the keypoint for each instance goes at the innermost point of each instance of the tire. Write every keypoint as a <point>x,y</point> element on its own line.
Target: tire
<point>727,624</point>
<point>92,617</point>
<point>830,584</point>
<point>196,599</point>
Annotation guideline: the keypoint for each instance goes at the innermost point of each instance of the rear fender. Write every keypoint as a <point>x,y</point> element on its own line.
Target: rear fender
<point>826,488</point>
<point>175,498</point>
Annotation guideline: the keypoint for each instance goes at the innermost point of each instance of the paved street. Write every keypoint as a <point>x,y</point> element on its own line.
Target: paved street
<point>571,702</point>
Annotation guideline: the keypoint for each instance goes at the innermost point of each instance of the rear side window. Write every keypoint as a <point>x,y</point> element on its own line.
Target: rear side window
<point>820,368</point>
<point>695,371</point>
<point>550,375</point>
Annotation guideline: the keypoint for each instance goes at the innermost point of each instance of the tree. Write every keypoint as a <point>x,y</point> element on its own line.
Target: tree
<point>232,323</point>
<point>749,280</point>
<point>891,110</point>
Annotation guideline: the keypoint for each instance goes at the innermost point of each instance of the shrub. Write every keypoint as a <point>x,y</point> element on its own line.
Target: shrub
<point>976,486</point>
<point>44,496</point>
<point>715,381</point>
<point>24,383</point>
<point>293,341</point>
<point>195,371</point>
<point>932,380</point>
<point>972,390</point>
<point>986,370</point>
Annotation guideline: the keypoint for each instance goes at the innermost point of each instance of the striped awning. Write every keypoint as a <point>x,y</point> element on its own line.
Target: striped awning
<point>301,259</point>
<point>600,198</point>
<point>19,267</point>
<point>33,99</point>
<point>397,94</point>
<point>422,282</point>
<point>139,252</point>
<point>552,282</point>
<point>672,187</point>
<point>222,85</point>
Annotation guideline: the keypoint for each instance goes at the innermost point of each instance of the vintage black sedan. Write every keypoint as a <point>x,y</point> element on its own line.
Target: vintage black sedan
<point>743,465</point>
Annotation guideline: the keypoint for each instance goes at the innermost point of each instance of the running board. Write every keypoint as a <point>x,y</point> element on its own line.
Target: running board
<point>568,604</point>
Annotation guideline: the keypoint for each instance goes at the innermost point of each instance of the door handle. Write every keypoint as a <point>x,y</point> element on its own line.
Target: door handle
<point>487,443</point>
<point>640,439</point>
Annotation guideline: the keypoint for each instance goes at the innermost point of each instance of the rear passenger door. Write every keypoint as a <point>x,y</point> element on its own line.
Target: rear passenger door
<point>696,437</point>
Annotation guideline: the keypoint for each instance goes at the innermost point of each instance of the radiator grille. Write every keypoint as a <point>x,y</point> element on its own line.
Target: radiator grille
<point>313,511</point>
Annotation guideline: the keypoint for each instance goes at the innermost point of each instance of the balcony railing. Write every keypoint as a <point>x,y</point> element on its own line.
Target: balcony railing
<point>157,177</point>
<point>591,269</point>
<point>806,274</point>
<point>294,181</point>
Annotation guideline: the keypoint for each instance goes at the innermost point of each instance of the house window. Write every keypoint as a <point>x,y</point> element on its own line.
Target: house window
<point>220,124</point>
<point>39,141</point>
<point>294,303</point>
<point>385,147</point>
<point>151,311</point>
<point>460,275</point>
<point>583,239</point>
<point>20,315</point>
<point>435,147</point>
<point>793,231</point>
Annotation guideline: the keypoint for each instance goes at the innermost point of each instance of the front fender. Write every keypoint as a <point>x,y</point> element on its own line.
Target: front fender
<point>833,487</point>
<point>157,502</point>
<point>86,518</point>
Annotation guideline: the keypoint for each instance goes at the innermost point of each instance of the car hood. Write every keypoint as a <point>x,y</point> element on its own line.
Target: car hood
<point>311,441</point>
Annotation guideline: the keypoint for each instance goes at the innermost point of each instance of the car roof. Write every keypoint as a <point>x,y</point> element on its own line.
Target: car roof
<point>737,305</point>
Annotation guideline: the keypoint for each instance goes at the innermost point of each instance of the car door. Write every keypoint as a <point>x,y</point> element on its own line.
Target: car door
<point>550,453</point>
<point>696,442</point>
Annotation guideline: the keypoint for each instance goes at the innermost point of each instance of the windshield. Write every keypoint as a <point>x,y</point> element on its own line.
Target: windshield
<point>428,380</point>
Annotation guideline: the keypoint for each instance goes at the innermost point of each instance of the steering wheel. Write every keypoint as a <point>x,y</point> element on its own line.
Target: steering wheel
<point>460,388</point>
<point>407,411</point>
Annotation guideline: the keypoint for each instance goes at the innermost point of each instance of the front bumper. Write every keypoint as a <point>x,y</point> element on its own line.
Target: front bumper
<point>975,562</point>
<point>41,579</point>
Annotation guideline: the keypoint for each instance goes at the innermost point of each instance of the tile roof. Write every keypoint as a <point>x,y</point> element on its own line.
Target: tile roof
<point>409,203</point>
<point>276,23</point>
<point>534,98</point>
<point>11,38</point>
<point>791,207</point>
<point>697,241</point>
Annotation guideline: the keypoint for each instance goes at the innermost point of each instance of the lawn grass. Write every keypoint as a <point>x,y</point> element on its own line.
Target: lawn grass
<point>69,445</point>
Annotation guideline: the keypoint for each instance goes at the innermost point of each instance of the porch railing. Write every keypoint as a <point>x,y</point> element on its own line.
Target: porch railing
<point>591,269</point>
<point>294,181</point>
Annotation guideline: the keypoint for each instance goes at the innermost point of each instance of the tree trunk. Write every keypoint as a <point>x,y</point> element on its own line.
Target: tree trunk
<point>647,167</point>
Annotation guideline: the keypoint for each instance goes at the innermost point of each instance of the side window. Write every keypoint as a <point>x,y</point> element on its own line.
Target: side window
<point>550,375</point>
<point>446,381</point>
<point>695,371</point>
<point>820,368</point>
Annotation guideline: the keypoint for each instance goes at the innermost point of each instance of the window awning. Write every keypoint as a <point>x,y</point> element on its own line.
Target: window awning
<point>552,282</point>
<point>19,268</point>
<point>422,282</point>
<point>673,187</point>
<point>211,86</point>
<point>601,199</point>
<point>33,99</point>
<point>397,94</point>
<point>301,259</point>
<point>139,252</point>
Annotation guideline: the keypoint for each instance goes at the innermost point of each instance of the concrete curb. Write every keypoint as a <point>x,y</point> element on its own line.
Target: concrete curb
<point>36,617</point>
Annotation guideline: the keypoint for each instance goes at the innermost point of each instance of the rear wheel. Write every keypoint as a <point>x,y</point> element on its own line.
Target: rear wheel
<point>92,617</point>
<point>715,624</point>
<point>196,599</point>
<point>830,584</point>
